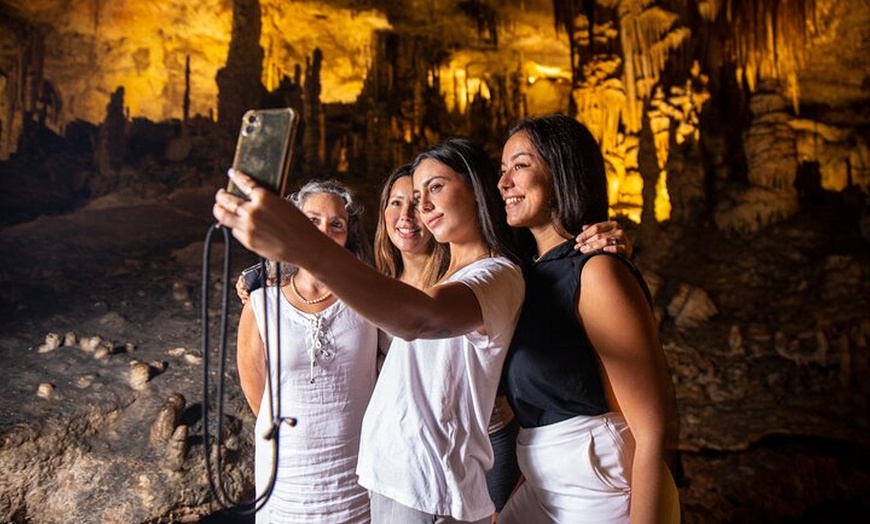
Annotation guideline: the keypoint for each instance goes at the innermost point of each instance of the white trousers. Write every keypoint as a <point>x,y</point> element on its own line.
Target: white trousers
<point>576,472</point>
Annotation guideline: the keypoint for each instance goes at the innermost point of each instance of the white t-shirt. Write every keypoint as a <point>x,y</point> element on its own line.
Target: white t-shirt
<point>424,435</point>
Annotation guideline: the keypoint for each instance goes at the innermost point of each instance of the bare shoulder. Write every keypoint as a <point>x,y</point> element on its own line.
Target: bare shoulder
<point>607,281</point>
<point>606,269</point>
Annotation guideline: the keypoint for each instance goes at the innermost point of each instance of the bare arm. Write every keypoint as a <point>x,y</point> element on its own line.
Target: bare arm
<point>250,359</point>
<point>402,310</point>
<point>276,230</point>
<point>623,331</point>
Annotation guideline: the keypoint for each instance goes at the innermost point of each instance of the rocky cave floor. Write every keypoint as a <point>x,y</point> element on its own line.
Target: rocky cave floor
<point>773,389</point>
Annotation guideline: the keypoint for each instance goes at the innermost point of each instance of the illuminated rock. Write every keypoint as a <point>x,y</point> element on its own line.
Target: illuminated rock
<point>93,48</point>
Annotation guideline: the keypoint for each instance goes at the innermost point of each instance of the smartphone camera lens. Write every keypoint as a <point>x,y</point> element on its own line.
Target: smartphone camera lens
<point>252,119</point>
<point>249,129</point>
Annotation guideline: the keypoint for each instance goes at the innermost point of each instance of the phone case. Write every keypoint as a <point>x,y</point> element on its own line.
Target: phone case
<point>253,277</point>
<point>265,148</point>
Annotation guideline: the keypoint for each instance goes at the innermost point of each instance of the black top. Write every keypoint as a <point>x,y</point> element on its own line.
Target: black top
<point>552,371</point>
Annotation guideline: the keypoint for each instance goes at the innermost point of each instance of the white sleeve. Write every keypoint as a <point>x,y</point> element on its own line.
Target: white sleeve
<point>500,290</point>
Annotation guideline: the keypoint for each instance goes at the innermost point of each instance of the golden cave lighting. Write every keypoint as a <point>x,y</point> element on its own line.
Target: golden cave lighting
<point>662,205</point>
<point>630,199</point>
<point>292,31</point>
<point>625,183</point>
<point>615,169</point>
<point>143,46</point>
<point>466,76</point>
<point>625,196</point>
<point>548,90</point>
<point>455,87</point>
<point>625,193</point>
<point>479,87</point>
<point>551,72</point>
<point>770,40</point>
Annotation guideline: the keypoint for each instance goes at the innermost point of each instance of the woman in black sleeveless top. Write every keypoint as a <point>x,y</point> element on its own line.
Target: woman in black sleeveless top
<point>586,375</point>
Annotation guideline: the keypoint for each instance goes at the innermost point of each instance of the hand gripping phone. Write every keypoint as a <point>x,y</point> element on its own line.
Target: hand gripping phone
<point>264,150</point>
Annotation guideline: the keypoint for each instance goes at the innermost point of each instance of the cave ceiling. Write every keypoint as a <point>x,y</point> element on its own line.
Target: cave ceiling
<point>92,47</point>
<point>662,59</point>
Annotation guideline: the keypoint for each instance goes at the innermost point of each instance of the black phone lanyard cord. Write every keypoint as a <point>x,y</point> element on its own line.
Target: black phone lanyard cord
<point>215,476</point>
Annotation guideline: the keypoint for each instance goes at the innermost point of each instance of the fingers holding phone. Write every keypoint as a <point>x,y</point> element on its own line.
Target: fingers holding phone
<point>266,224</point>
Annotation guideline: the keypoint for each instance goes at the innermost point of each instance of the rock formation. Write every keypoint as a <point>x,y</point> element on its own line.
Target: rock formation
<point>735,129</point>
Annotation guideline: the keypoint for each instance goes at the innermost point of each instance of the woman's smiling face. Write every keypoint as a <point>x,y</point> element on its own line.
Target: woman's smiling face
<point>402,219</point>
<point>525,183</point>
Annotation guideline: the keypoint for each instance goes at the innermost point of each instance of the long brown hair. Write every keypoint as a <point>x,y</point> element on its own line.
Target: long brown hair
<point>388,258</point>
<point>478,172</point>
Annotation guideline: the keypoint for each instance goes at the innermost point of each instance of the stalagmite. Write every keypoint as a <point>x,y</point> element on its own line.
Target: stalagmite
<point>52,342</point>
<point>167,419</point>
<point>139,375</point>
<point>45,391</point>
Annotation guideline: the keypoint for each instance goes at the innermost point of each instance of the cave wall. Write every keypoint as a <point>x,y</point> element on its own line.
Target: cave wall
<point>757,172</point>
<point>472,68</point>
<point>90,48</point>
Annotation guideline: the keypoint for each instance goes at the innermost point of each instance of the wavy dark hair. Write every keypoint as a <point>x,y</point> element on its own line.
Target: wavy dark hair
<point>357,239</point>
<point>576,165</point>
<point>478,172</point>
<point>388,258</point>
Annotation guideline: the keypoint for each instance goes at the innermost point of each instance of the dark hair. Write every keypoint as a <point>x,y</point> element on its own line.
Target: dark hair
<point>357,240</point>
<point>479,173</point>
<point>388,258</point>
<point>576,165</point>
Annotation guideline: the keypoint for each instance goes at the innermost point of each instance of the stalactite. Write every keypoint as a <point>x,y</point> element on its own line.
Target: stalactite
<point>620,64</point>
<point>648,36</point>
<point>600,97</point>
<point>96,16</point>
<point>313,140</point>
<point>768,39</point>
<point>186,101</point>
<point>485,18</point>
<point>564,12</point>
